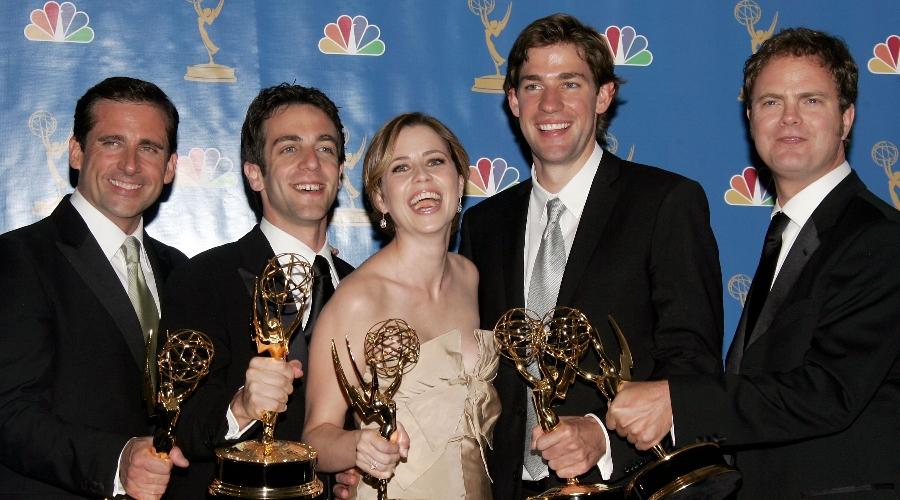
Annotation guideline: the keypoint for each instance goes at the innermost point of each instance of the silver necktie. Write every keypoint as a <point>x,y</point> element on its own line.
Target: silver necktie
<point>542,293</point>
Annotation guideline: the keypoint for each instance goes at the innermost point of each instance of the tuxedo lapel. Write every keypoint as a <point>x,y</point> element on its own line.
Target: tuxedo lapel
<point>84,254</point>
<point>512,265</point>
<point>255,253</point>
<point>811,235</point>
<point>597,209</point>
<point>806,243</point>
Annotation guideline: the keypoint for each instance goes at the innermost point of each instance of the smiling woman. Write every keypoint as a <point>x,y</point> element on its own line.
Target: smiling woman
<point>415,170</point>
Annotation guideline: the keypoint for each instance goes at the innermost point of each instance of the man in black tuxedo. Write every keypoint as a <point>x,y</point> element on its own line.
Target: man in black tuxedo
<point>811,393</point>
<point>292,151</point>
<point>83,289</point>
<point>637,245</point>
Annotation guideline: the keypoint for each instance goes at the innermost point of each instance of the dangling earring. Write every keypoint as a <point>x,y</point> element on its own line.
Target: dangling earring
<point>459,206</point>
<point>383,223</point>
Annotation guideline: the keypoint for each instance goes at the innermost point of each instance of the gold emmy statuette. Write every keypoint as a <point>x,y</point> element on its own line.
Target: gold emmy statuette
<point>694,471</point>
<point>391,348</point>
<point>182,362</point>
<point>555,344</point>
<point>270,468</point>
<point>492,28</point>
<point>211,71</point>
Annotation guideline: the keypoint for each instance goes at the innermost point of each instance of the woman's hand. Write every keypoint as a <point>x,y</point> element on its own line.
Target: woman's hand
<point>378,457</point>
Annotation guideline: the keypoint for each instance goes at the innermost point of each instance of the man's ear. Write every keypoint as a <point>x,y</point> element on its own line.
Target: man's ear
<point>513,101</point>
<point>76,154</point>
<point>254,176</point>
<point>170,168</point>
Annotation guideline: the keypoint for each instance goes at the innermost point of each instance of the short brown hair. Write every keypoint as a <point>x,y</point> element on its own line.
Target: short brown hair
<point>564,29</point>
<point>379,154</point>
<point>831,51</point>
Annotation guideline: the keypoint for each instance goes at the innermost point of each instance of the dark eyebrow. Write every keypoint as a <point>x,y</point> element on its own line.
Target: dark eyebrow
<point>286,138</point>
<point>148,142</point>
<point>328,137</point>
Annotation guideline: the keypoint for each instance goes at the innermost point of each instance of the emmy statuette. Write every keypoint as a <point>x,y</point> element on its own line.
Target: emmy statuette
<point>391,349</point>
<point>270,468</point>
<point>181,363</point>
<point>693,471</point>
<point>555,343</point>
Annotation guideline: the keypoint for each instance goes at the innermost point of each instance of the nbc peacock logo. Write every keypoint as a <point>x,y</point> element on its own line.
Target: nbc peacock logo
<point>205,168</point>
<point>352,37</point>
<point>747,190</point>
<point>489,177</point>
<point>887,57</point>
<point>61,23</point>
<point>627,47</point>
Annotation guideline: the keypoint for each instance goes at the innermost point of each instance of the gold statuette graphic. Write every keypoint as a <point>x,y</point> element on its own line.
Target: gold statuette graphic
<point>546,353</point>
<point>694,471</point>
<point>492,29</point>
<point>391,348</point>
<point>884,154</point>
<point>748,13</point>
<point>270,468</point>
<point>209,72</point>
<point>182,362</point>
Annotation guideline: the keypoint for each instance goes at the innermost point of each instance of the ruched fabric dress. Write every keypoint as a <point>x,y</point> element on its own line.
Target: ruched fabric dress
<point>449,413</point>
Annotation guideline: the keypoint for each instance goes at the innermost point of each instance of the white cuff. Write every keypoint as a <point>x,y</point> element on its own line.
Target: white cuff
<point>118,487</point>
<point>234,430</point>
<point>606,462</point>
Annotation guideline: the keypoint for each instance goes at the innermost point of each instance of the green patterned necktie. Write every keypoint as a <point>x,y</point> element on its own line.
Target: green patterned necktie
<point>145,308</point>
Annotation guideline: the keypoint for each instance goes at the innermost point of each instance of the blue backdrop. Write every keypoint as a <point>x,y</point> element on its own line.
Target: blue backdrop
<point>680,108</point>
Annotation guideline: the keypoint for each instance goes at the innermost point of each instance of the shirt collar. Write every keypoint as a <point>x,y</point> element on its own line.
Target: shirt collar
<point>801,206</point>
<point>282,242</point>
<point>574,194</point>
<point>105,231</point>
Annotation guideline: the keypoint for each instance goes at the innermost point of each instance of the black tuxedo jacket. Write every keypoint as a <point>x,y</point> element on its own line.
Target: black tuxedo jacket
<point>815,407</point>
<point>212,293</point>
<point>71,359</point>
<point>643,252</point>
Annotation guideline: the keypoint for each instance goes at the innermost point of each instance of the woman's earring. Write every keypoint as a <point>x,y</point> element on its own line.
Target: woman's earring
<point>383,223</point>
<point>459,206</point>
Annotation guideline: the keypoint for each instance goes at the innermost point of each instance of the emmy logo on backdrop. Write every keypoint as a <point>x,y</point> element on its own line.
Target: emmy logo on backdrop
<point>555,344</point>
<point>391,349</point>
<point>43,124</point>
<point>492,28</point>
<point>748,13</point>
<point>270,468</point>
<point>181,363</point>
<point>351,213</point>
<point>211,71</point>
<point>738,286</point>
<point>884,154</point>
<point>694,471</point>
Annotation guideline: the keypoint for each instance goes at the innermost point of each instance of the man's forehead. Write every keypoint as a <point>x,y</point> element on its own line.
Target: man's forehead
<point>302,115</point>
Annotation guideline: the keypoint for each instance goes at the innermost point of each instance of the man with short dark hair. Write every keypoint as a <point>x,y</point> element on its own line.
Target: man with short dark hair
<point>811,393</point>
<point>83,288</point>
<point>292,151</point>
<point>652,264</point>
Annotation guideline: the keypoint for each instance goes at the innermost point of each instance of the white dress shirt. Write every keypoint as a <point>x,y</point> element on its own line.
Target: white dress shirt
<point>800,208</point>
<point>574,196</point>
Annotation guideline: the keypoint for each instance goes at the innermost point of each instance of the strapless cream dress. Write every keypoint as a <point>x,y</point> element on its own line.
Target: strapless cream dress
<point>449,414</point>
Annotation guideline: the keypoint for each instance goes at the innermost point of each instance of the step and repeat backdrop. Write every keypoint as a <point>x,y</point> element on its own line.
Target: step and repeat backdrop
<point>680,108</point>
